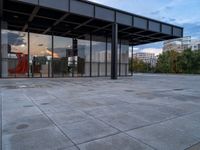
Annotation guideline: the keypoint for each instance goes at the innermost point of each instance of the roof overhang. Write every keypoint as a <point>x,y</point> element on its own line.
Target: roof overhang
<point>77,18</point>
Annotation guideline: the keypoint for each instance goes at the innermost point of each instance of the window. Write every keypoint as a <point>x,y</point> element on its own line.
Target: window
<point>14,54</point>
<point>40,55</point>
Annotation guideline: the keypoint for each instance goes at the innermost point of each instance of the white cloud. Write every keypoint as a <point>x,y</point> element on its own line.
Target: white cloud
<point>156,51</point>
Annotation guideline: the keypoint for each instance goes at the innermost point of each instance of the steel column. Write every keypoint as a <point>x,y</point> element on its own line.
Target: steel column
<point>1,18</point>
<point>52,59</point>
<point>90,55</point>
<point>114,51</point>
<point>29,54</point>
<point>74,49</point>
<point>120,52</point>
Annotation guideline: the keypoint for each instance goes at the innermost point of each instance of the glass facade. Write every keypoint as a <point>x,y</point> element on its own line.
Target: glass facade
<point>14,54</point>
<point>35,55</point>
<point>108,70</point>
<point>40,56</point>
<point>98,56</point>
<point>62,57</point>
<point>124,59</point>
<point>84,57</point>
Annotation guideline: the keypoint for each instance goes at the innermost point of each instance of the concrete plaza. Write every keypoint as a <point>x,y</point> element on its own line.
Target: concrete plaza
<point>144,112</point>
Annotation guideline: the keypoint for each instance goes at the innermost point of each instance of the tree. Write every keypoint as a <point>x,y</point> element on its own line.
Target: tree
<point>167,62</point>
<point>196,65</point>
<point>187,61</point>
<point>138,65</point>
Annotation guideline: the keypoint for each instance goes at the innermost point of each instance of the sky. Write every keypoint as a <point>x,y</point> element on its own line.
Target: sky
<point>184,13</point>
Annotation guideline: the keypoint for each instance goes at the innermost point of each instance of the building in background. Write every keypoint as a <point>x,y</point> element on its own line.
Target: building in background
<point>149,58</point>
<point>181,44</point>
<point>195,45</point>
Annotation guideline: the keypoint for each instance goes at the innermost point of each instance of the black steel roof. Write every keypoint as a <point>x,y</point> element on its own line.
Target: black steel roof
<point>76,18</point>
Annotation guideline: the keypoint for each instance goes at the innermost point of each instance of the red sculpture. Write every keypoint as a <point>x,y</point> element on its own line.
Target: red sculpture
<point>22,65</point>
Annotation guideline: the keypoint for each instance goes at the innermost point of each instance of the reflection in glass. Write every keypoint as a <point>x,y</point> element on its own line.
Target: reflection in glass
<point>84,57</point>
<point>62,57</point>
<point>14,54</point>
<point>124,59</point>
<point>40,55</point>
<point>109,57</point>
<point>98,57</point>
<point>67,58</point>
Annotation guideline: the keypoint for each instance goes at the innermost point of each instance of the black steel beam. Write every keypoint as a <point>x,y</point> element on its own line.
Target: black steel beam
<point>41,30</point>
<point>31,17</point>
<point>140,36</point>
<point>149,36</point>
<point>56,23</point>
<point>101,28</point>
<point>63,21</point>
<point>1,9</point>
<point>114,51</point>
<point>79,26</point>
<point>96,30</point>
<point>125,29</point>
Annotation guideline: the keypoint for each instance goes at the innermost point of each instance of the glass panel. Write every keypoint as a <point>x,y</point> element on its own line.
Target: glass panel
<point>124,58</point>
<point>109,58</point>
<point>98,57</point>
<point>119,60</point>
<point>130,61</point>
<point>62,57</point>
<point>40,55</point>
<point>14,54</point>
<point>83,58</point>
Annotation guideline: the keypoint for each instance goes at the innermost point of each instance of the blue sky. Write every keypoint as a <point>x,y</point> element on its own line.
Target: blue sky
<point>185,13</point>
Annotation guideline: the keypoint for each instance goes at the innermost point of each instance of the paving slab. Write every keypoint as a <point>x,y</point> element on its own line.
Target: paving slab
<point>25,124</point>
<point>194,147</point>
<point>68,117</point>
<point>43,139</point>
<point>18,113</point>
<point>164,136</point>
<point>115,142</point>
<point>189,124</point>
<point>147,111</point>
<point>87,130</point>
<point>124,121</point>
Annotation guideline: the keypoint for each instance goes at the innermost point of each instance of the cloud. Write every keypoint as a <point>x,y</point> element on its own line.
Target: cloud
<point>155,12</point>
<point>156,51</point>
<point>192,30</point>
<point>15,39</point>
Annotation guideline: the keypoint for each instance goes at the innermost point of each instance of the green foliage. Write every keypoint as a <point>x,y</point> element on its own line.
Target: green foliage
<point>187,62</point>
<point>138,65</point>
<point>168,62</point>
<point>173,62</point>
